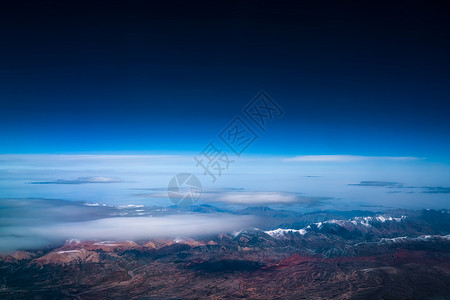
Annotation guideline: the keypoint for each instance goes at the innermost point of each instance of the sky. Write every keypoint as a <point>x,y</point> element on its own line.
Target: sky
<point>166,77</point>
<point>134,93</point>
<point>301,105</point>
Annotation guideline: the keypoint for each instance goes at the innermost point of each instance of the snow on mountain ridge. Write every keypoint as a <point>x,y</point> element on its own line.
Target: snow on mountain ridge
<point>364,221</point>
<point>280,232</point>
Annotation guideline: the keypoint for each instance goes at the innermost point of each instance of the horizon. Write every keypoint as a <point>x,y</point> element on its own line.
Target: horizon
<point>230,149</point>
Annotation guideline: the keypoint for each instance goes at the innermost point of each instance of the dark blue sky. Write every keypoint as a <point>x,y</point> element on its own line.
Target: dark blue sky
<point>353,78</point>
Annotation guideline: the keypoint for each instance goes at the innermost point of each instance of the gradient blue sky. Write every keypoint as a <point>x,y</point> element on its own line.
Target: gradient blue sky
<point>116,77</point>
<point>165,78</point>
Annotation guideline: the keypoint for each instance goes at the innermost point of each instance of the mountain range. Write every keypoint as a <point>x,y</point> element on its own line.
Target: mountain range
<point>396,254</point>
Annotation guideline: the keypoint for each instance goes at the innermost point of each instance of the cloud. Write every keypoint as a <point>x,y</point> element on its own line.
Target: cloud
<point>122,228</point>
<point>81,180</point>
<point>404,189</point>
<point>144,228</point>
<point>436,190</point>
<point>345,158</point>
<point>156,189</point>
<point>36,223</point>
<point>373,205</point>
<point>263,198</point>
<point>378,184</point>
<point>31,212</point>
<point>238,196</point>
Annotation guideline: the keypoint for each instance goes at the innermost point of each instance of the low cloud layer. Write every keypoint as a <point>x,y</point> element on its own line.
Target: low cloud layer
<point>32,212</point>
<point>36,223</point>
<point>378,184</point>
<point>247,198</point>
<point>437,190</point>
<point>402,188</point>
<point>264,198</point>
<point>345,158</point>
<point>81,180</point>
<point>142,228</point>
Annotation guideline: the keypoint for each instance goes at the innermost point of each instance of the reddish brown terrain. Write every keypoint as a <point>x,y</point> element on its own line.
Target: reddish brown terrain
<point>328,260</point>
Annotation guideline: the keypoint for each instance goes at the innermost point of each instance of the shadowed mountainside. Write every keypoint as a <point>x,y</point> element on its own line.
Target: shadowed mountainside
<point>394,255</point>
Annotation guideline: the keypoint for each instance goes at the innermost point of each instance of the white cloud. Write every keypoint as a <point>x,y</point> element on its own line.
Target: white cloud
<point>36,223</point>
<point>143,228</point>
<point>345,158</point>
<point>80,180</point>
<point>250,198</point>
<point>261,198</point>
<point>122,228</point>
<point>257,198</point>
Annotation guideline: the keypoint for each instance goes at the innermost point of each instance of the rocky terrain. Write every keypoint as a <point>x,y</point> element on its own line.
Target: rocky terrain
<point>325,255</point>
